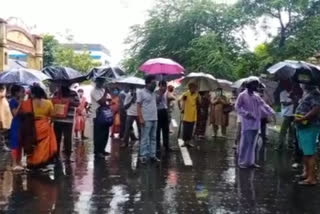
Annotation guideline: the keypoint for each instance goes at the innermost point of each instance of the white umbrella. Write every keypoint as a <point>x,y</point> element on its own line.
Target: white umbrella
<point>239,83</point>
<point>225,84</point>
<point>131,81</point>
<point>205,82</point>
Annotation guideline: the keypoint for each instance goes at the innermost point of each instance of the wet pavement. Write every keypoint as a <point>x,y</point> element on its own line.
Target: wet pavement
<point>116,185</point>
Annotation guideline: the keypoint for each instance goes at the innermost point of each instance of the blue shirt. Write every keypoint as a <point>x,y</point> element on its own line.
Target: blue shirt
<point>14,130</point>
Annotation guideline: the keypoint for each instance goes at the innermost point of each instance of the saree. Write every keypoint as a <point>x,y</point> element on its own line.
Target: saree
<point>45,147</point>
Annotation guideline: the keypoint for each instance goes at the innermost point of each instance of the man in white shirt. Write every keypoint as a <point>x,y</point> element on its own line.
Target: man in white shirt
<point>99,97</point>
<point>287,108</point>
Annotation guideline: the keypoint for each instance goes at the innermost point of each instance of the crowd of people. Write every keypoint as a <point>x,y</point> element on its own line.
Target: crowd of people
<point>42,128</point>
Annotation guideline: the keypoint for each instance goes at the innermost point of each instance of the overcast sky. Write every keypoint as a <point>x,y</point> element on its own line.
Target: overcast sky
<point>90,21</point>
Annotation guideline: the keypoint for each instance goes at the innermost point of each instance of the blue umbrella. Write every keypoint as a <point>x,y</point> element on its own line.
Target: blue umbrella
<point>22,76</point>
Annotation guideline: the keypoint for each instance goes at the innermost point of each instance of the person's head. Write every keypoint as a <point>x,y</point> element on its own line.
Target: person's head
<point>38,93</point>
<point>252,84</point>
<point>65,90</point>
<point>80,92</point>
<point>170,88</point>
<point>150,81</point>
<point>192,88</point>
<point>163,85</point>
<point>126,89</point>
<point>115,91</point>
<point>2,88</point>
<point>17,91</point>
<point>100,82</point>
<point>219,92</point>
<point>132,89</point>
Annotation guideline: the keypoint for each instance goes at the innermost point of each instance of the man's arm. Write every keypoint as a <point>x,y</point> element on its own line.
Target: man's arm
<point>240,108</point>
<point>140,116</point>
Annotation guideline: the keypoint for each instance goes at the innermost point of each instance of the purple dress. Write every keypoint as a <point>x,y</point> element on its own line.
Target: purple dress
<point>250,105</point>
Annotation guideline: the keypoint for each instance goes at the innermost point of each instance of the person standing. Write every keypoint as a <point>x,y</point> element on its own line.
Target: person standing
<point>218,115</point>
<point>287,110</point>
<point>81,116</point>
<point>17,95</point>
<point>163,119</point>
<point>99,98</point>
<point>63,127</point>
<point>115,107</point>
<point>171,99</point>
<point>308,126</point>
<point>250,106</point>
<point>123,112</point>
<point>148,118</point>
<point>130,104</point>
<point>188,105</point>
<point>203,114</point>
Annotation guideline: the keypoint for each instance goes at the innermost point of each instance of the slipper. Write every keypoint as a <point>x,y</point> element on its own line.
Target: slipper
<point>306,183</point>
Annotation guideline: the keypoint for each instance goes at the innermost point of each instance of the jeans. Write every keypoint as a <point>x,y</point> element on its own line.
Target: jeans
<point>285,127</point>
<point>128,130</point>
<point>65,130</point>
<point>100,137</point>
<point>163,126</point>
<point>148,141</point>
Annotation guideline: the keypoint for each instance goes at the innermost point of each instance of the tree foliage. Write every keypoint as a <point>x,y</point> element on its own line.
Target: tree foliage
<point>57,55</point>
<point>205,36</point>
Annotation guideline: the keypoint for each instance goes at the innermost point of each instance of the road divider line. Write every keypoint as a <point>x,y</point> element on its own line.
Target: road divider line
<point>185,153</point>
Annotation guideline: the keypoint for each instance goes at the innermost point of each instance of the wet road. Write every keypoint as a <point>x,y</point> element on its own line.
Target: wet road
<point>115,185</point>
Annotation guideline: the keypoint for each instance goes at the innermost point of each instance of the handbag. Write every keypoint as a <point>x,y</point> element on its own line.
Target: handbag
<point>60,107</point>
<point>104,116</point>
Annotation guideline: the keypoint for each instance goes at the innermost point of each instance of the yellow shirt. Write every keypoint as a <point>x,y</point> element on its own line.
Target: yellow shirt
<point>190,106</point>
<point>45,109</point>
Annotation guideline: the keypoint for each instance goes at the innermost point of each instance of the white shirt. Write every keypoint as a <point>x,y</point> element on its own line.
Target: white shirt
<point>132,110</point>
<point>96,95</point>
<point>286,111</point>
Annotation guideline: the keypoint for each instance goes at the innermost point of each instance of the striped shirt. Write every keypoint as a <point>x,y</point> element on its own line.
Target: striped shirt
<point>74,103</point>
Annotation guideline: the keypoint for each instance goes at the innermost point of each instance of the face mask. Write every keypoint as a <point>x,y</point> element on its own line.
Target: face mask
<point>115,92</point>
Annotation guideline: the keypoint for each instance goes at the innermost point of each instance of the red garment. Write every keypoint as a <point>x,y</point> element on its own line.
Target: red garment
<point>81,115</point>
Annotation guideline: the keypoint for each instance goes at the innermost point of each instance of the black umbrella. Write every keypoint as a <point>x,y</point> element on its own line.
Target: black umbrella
<point>106,72</point>
<point>67,74</point>
<point>22,76</point>
<point>288,69</point>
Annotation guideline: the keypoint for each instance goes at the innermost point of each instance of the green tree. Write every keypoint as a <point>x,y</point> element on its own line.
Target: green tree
<point>50,49</point>
<point>55,54</point>
<point>78,61</point>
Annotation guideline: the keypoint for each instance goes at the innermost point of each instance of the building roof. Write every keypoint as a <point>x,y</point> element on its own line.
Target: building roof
<point>87,46</point>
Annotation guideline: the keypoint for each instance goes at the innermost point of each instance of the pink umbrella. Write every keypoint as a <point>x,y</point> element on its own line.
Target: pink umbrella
<point>162,66</point>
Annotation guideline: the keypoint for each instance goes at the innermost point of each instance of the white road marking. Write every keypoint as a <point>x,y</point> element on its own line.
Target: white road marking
<point>185,153</point>
<point>174,123</point>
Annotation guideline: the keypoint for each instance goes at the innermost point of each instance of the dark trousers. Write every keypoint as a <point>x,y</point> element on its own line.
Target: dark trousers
<point>100,137</point>
<point>263,129</point>
<point>123,117</point>
<point>65,130</point>
<point>187,131</point>
<point>163,126</point>
<point>129,131</point>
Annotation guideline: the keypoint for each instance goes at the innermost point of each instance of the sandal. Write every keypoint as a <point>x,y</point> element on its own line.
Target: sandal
<point>301,177</point>
<point>307,183</point>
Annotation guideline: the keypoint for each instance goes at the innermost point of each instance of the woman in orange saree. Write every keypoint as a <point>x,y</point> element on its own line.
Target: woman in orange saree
<point>41,145</point>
